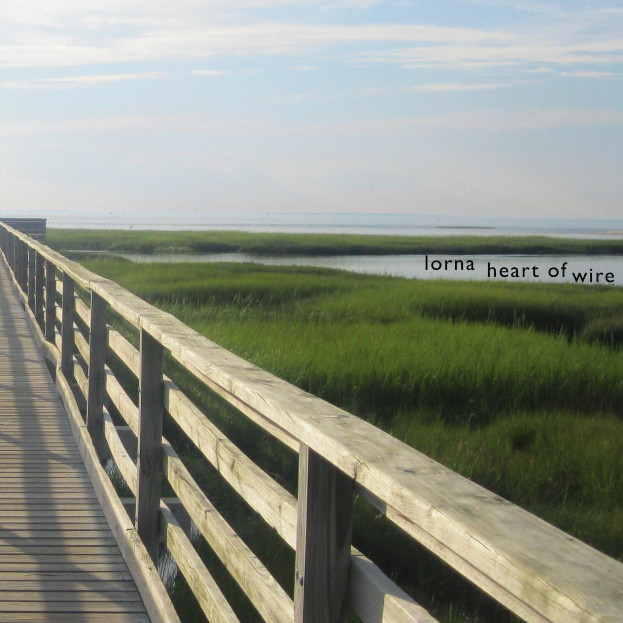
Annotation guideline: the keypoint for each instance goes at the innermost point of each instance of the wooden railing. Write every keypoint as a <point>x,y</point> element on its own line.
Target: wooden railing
<point>533,569</point>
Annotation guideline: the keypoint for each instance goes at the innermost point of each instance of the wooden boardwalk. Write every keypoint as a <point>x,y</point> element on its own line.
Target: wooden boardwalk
<point>59,560</point>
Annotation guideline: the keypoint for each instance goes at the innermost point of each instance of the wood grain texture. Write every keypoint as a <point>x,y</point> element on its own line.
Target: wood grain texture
<point>270,600</point>
<point>50,301</point>
<point>83,312</point>
<point>122,402</point>
<point>149,458</point>
<point>126,465</point>
<point>204,588</point>
<point>537,571</point>
<point>56,547</point>
<point>322,574</point>
<point>262,493</point>
<point>140,564</point>
<point>32,262</point>
<point>67,327</point>
<point>39,289</point>
<point>97,374</point>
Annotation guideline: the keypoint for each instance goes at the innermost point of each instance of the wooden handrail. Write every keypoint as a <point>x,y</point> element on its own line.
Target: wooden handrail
<point>535,570</point>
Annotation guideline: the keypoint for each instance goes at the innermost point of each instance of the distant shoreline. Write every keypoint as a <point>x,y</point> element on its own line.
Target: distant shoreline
<point>463,227</point>
<point>281,244</point>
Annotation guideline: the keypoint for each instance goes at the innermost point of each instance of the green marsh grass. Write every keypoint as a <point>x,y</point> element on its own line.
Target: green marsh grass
<point>518,387</point>
<point>162,242</point>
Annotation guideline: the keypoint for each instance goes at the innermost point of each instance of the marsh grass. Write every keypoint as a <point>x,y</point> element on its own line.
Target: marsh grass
<point>159,242</point>
<point>518,387</point>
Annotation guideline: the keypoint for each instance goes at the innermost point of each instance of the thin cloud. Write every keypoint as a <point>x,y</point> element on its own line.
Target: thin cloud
<point>71,82</point>
<point>497,56</point>
<point>449,86</point>
<point>546,8</point>
<point>484,120</point>
<point>480,120</point>
<point>140,123</point>
<point>210,72</point>
<point>37,33</point>
<point>47,49</point>
<point>214,73</point>
<point>589,74</point>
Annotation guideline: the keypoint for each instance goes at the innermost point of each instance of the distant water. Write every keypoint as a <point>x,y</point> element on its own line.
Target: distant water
<point>352,223</point>
<point>413,266</point>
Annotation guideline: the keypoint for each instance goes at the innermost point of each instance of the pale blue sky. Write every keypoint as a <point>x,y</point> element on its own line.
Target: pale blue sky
<point>461,107</point>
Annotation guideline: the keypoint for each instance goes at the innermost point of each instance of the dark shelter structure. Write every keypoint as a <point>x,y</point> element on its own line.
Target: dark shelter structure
<point>33,227</point>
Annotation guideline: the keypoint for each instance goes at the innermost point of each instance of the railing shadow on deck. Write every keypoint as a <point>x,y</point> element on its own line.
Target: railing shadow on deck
<point>28,485</point>
<point>533,569</point>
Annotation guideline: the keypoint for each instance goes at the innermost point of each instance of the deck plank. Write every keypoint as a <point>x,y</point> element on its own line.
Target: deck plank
<point>59,560</point>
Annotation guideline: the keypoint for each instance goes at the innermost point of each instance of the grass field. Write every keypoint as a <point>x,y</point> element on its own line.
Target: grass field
<point>516,386</point>
<point>158,242</point>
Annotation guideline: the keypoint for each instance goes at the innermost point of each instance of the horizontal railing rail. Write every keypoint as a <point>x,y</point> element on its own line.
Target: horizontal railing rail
<point>535,570</point>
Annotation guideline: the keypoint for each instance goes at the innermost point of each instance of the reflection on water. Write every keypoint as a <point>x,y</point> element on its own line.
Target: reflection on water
<point>413,266</point>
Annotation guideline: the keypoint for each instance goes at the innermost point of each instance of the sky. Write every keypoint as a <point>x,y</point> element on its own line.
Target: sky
<point>460,107</point>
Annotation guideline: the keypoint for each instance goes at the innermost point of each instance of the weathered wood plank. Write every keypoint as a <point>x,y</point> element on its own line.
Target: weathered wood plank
<point>32,260</point>
<point>267,596</point>
<point>70,606</point>
<point>126,465</point>
<point>149,459</point>
<point>75,587</point>
<point>67,327</point>
<point>81,344</point>
<point>83,311</point>
<point>523,563</point>
<point>74,617</point>
<point>375,598</point>
<point>204,588</point>
<point>97,375</point>
<point>143,571</point>
<point>123,403</point>
<point>85,597</point>
<point>39,289</point>
<point>322,576</point>
<point>53,532</point>
<point>50,300</point>
<point>65,576</point>
<point>125,351</point>
<point>262,493</point>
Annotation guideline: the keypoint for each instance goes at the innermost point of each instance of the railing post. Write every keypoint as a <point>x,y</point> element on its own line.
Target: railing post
<point>24,258</point>
<point>32,261</point>
<point>20,264</point>
<point>97,376</point>
<point>149,443</point>
<point>39,288</point>
<point>323,543</point>
<point>50,301</point>
<point>67,328</point>
<point>14,254</point>
<point>18,261</point>
<point>20,276</point>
